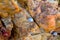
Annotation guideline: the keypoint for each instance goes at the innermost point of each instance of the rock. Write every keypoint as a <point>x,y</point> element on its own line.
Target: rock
<point>24,27</point>
<point>8,23</point>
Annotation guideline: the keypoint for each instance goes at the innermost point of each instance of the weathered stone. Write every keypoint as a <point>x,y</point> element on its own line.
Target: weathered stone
<point>8,23</point>
<point>23,25</point>
<point>44,15</point>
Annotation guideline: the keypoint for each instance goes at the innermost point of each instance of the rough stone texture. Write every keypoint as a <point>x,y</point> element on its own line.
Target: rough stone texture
<point>23,26</point>
<point>43,14</point>
<point>31,24</point>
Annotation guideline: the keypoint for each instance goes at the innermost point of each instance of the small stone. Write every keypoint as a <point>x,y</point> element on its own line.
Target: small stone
<point>55,33</point>
<point>30,19</point>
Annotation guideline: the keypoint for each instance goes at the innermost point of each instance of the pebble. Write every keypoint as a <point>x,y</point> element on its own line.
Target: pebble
<point>55,33</point>
<point>30,19</point>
